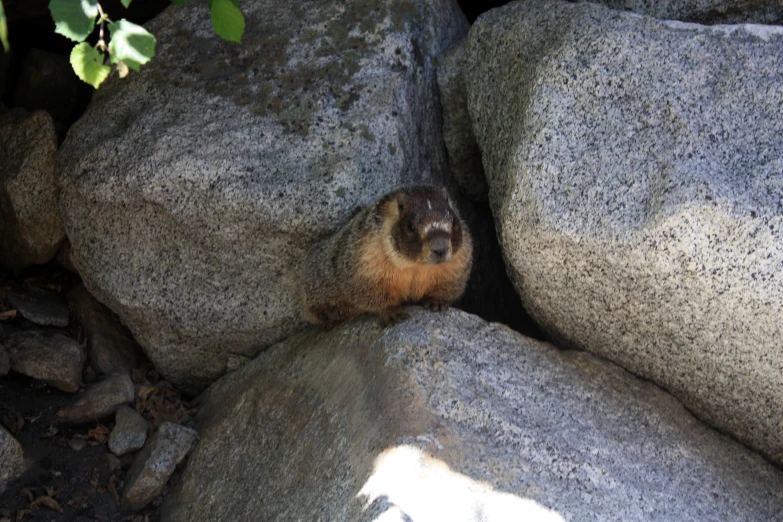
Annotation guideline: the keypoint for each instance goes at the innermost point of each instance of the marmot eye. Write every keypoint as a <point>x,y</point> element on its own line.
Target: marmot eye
<point>410,227</point>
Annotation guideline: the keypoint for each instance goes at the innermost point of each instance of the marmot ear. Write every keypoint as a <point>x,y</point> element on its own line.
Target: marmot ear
<point>392,196</point>
<point>387,205</point>
<point>400,198</point>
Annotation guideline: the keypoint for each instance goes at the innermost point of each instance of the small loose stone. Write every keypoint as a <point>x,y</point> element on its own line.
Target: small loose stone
<point>77,444</point>
<point>11,459</point>
<point>129,433</point>
<point>99,401</point>
<point>112,462</point>
<point>152,467</point>
<point>56,360</point>
<point>40,307</point>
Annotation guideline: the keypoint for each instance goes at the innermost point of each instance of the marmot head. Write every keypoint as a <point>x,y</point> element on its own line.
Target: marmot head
<point>422,224</point>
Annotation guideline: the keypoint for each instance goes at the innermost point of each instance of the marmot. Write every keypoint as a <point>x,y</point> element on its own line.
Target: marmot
<point>410,247</point>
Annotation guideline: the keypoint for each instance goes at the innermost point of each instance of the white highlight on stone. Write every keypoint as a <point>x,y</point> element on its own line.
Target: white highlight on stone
<point>765,32</point>
<point>429,205</point>
<point>427,489</point>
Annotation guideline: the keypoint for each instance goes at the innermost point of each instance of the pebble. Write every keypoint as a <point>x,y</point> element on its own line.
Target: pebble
<point>112,462</point>
<point>12,463</point>
<point>56,360</point>
<point>99,401</point>
<point>129,433</point>
<point>77,444</point>
<point>39,307</point>
<point>152,467</point>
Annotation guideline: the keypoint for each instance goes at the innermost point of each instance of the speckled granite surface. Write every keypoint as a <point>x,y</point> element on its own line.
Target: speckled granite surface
<point>192,189</point>
<point>31,229</point>
<point>447,417</point>
<point>12,463</point>
<point>464,154</point>
<point>705,11</point>
<point>636,179</point>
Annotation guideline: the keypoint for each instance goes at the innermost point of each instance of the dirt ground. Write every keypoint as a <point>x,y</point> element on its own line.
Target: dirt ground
<point>62,483</point>
<point>72,475</point>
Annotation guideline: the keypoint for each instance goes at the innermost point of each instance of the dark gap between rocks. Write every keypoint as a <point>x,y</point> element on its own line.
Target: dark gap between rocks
<point>490,293</point>
<point>473,10</point>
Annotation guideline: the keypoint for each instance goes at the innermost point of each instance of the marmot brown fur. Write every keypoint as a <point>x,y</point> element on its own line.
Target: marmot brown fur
<point>410,247</point>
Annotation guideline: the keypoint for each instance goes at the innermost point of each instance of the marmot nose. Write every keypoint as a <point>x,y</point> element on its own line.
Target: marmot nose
<point>439,246</point>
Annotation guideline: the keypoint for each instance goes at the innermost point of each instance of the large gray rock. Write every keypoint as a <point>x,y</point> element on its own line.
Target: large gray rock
<point>704,11</point>
<point>446,416</point>
<point>489,292</point>
<point>110,349</point>
<point>54,359</point>
<point>153,466</point>
<point>31,228</point>
<point>635,179</point>
<point>12,463</point>
<point>464,154</point>
<point>192,190</point>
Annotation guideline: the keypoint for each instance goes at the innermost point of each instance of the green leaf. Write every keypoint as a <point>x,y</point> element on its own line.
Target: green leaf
<point>131,44</point>
<point>74,19</point>
<point>87,63</point>
<point>125,3</point>
<point>227,20</point>
<point>235,2</point>
<point>179,3</point>
<point>4,29</point>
